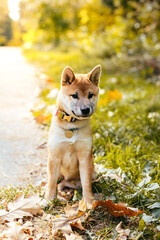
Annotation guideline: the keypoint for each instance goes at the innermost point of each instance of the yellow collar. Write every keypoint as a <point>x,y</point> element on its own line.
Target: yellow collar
<point>65,116</point>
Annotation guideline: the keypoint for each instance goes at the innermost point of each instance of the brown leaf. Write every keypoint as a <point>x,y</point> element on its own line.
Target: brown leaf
<point>64,222</point>
<point>73,218</point>
<point>78,225</point>
<point>118,209</point>
<point>122,233</point>
<point>70,212</point>
<point>21,207</point>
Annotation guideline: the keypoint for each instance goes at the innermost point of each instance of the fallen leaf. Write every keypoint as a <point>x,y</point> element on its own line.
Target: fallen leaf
<point>122,233</point>
<point>78,225</point>
<point>118,209</point>
<point>21,207</point>
<point>158,228</point>
<point>30,204</point>
<point>62,224</point>
<point>62,220</point>
<point>82,205</point>
<point>73,217</point>
<point>141,225</point>
<point>152,186</point>
<point>73,236</point>
<point>16,232</point>
<point>147,219</point>
<point>155,205</point>
<point>69,210</point>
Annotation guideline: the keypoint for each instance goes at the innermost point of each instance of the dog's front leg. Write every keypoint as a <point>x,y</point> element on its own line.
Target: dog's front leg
<point>53,174</point>
<point>86,170</point>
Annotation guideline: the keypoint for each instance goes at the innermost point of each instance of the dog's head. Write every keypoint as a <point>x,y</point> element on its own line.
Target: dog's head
<point>79,92</point>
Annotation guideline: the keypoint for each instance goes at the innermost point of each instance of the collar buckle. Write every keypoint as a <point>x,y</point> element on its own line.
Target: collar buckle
<point>65,116</point>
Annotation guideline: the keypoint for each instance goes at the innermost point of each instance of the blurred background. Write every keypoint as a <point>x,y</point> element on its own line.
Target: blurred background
<point>103,29</point>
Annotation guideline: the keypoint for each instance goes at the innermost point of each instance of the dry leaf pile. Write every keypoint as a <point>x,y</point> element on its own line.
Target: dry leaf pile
<point>24,219</point>
<point>21,207</point>
<point>12,221</point>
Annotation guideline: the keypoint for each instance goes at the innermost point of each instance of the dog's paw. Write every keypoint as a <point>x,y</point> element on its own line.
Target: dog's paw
<point>90,201</point>
<point>50,195</point>
<point>89,205</point>
<point>44,203</point>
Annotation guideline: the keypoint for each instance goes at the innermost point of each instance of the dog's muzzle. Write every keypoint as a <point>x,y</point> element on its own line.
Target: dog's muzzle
<point>85,111</point>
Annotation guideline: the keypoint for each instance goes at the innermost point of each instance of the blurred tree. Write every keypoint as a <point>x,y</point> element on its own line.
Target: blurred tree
<point>102,27</point>
<point>143,28</point>
<point>5,23</point>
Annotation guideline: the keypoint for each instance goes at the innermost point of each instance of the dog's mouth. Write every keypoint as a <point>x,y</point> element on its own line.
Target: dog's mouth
<point>82,116</point>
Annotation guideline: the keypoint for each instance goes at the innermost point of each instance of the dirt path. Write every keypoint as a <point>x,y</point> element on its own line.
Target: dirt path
<point>20,160</point>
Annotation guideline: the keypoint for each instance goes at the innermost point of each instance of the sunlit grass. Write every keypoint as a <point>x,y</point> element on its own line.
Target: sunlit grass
<point>128,114</point>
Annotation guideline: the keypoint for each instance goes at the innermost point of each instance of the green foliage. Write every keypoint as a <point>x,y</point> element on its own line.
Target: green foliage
<point>10,193</point>
<point>10,33</point>
<point>101,28</point>
<point>5,24</point>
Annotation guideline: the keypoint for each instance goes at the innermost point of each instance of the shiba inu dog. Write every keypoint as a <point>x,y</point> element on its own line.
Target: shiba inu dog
<point>70,137</point>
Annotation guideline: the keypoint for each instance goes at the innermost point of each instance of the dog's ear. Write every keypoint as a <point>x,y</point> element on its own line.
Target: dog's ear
<point>95,74</point>
<point>67,76</point>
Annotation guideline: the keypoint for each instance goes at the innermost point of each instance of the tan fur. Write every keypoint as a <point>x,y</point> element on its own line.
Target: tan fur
<point>72,158</point>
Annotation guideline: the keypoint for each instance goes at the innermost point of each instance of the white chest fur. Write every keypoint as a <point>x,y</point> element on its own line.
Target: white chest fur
<point>66,150</point>
<point>57,134</point>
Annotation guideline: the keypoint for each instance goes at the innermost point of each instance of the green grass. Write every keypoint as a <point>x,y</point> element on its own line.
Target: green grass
<point>54,61</point>
<point>127,138</point>
<point>126,130</point>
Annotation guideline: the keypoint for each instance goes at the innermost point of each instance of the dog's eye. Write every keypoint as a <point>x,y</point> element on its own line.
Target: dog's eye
<point>90,95</point>
<point>75,96</point>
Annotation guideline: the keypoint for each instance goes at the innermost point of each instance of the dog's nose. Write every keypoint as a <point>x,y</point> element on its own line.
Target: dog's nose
<point>85,111</point>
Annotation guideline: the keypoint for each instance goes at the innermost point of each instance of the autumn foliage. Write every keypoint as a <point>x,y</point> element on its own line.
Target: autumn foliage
<point>24,228</point>
<point>119,209</point>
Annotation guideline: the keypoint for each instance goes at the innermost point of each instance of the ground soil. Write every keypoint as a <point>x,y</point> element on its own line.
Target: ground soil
<point>22,159</point>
